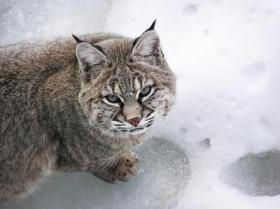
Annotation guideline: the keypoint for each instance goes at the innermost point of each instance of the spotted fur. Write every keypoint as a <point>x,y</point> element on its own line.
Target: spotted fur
<point>55,112</point>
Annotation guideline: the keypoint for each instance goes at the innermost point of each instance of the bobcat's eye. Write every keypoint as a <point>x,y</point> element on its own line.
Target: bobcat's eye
<point>112,99</point>
<point>146,92</point>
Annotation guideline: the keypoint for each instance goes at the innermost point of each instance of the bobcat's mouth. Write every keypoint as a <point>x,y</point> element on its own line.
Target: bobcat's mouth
<point>134,130</point>
<point>125,127</point>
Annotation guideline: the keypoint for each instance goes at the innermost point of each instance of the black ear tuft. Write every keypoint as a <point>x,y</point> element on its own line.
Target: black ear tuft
<point>77,39</point>
<point>135,41</point>
<point>152,27</point>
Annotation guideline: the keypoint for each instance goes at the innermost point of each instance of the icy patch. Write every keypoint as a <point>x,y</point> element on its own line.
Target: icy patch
<point>163,176</point>
<point>256,174</point>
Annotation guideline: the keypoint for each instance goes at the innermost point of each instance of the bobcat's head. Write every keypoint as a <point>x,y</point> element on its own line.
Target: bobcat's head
<point>126,83</point>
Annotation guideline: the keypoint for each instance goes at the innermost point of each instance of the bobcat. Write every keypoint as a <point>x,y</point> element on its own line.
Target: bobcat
<point>78,105</point>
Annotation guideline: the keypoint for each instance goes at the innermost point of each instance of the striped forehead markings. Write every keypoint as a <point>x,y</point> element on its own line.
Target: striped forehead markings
<point>117,89</point>
<point>137,84</point>
<point>126,81</point>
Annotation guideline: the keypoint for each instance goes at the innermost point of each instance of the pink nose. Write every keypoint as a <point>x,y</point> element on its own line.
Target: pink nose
<point>134,121</point>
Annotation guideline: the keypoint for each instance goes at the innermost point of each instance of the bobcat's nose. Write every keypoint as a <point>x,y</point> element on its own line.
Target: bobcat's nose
<point>134,121</point>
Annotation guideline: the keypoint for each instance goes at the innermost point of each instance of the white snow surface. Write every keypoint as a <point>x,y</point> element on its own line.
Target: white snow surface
<point>225,54</point>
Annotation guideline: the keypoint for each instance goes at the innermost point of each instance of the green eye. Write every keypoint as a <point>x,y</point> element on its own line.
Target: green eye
<point>145,91</point>
<point>112,98</point>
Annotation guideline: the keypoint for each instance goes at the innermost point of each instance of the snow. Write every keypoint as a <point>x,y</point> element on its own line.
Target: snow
<point>150,189</point>
<point>225,54</point>
<point>33,20</point>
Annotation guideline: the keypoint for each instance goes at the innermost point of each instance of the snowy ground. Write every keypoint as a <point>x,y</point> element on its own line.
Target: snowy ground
<point>225,54</point>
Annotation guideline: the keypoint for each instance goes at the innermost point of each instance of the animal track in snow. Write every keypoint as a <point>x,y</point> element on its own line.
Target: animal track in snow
<point>190,9</point>
<point>256,174</point>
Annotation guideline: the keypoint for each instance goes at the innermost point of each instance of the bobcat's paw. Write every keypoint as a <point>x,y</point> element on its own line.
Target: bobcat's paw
<point>126,168</point>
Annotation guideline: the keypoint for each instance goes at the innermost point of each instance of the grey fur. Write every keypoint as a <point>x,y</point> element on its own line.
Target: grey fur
<point>52,116</point>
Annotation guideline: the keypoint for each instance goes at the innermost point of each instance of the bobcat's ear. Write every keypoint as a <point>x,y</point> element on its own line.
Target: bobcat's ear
<point>147,44</point>
<point>89,56</point>
<point>78,40</point>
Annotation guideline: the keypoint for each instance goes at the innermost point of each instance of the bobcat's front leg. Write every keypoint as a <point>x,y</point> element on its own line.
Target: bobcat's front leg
<point>122,169</point>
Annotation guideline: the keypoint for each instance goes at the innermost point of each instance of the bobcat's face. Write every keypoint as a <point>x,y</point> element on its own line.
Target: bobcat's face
<point>126,85</point>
